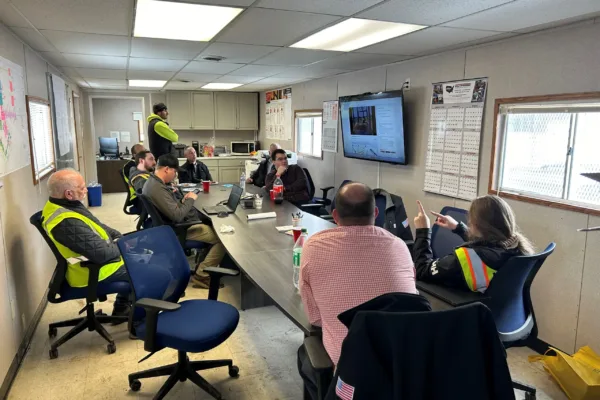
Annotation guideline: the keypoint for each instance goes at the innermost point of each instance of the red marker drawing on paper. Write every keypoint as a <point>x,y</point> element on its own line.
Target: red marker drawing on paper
<point>11,86</point>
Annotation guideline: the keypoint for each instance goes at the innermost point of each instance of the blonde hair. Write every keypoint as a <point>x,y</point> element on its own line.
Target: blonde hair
<point>493,221</point>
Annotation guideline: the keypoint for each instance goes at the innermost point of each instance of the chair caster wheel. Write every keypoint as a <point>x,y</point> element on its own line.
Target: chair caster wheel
<point>135,385</point>
<point>111,348</point>
<point>234,371</point>
<point>53,353</point>
<point>529,396</point>
<point>52,332</point>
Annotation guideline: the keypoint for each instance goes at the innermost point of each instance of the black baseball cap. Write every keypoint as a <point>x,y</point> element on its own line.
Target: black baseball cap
<point>159,107</point>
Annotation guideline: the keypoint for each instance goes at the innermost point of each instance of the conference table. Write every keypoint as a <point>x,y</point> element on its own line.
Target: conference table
<point>262,253</point>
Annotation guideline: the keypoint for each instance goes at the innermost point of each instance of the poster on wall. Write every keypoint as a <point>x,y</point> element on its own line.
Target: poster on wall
<point>452,162</point>
<point>61,114</point>
<point>331,117</point>
<point>14,136</point>
<point>278,118</point>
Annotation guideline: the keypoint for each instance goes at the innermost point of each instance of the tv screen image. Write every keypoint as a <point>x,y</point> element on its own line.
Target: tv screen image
<point>373,127</point>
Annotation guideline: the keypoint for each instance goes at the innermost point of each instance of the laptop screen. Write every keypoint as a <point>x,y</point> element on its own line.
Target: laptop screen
<point>234,197</point>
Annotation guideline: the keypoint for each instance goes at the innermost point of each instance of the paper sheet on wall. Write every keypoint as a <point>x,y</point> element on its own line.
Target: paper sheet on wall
<point>14,137</point>
<point>61,115</point>
<point>330,126</point>
<point>115,134</point>
<point>125,137</point>
<point>279,117</point>
<point>452,163</point>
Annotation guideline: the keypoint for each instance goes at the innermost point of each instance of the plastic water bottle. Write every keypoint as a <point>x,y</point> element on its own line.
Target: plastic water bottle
<point>297,251</point>
<point>243,181</point>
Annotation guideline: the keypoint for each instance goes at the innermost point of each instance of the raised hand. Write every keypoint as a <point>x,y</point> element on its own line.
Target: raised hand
<point>421,220</point>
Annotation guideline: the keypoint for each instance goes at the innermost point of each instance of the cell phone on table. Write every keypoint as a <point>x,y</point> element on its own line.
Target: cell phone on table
<point>196,191</point>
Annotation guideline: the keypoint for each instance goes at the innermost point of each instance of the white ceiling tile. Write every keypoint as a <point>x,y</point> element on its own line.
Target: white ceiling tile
<point>526,13</point>
<point>295,57</point>
<point>427,12</point>
<point>82,83</point>
<point>252,88</point>
<point>112,17</point>
<point>426,40</point>
<point>273,27</point>
<point>356,61</point>
<point>88,43</point>
<point>150,75</point>
<point>155,64</point>
<point>238,79</point>
<point>96,73</point>
<point>10,17</point>
<point>276,81</point>
<point>187,76</point>
<point>210,67</point>
<point>309,72</point>
<point>259,70</point>
<point>231,3</point>
<point>175,85</point>
<point>71,72</point>
<point>333,7</point>
<point>34,39</point>
<point>92,61</point>
<point>237,53</point>
<point>55,58</point>
<point>106,83</point>
<point>171,49</point>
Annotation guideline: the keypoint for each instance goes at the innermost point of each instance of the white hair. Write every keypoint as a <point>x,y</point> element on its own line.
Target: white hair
<point>61,181</point>
<point>188,149</point>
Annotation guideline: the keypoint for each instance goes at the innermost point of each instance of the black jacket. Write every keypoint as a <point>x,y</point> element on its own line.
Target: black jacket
<point>445,355</point>
<point>260,174</point>
<point>447,270</point>
<point>194,173</point>
<point>80,238</point>
<point>395,218</point>
<point>158,144</point>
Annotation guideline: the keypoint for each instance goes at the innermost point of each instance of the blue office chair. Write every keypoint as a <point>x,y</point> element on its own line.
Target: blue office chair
<point>59,291</point>
<point>510,302</point>
<point>159,274</point>
<point>443,241</point>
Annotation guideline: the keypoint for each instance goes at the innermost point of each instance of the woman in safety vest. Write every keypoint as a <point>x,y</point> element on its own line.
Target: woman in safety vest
<point>491,238</point>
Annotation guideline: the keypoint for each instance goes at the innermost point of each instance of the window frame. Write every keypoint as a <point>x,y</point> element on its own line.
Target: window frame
<point>37,177</point>
<point>498,146</point>
<point>312,112</point>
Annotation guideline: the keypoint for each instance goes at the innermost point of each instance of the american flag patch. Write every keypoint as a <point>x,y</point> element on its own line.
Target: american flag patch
<point>343,390</point>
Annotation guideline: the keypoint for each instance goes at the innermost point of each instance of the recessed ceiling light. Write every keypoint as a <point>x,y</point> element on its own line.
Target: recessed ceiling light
<point>221,86</point>
<point>181,21</point>
<point>146,83</point>
<point>355,33</point>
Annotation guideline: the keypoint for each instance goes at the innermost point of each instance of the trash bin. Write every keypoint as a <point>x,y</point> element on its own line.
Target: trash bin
<point>94,195</point>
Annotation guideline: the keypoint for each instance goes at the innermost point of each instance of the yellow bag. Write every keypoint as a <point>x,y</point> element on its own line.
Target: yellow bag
<point>577,375</point>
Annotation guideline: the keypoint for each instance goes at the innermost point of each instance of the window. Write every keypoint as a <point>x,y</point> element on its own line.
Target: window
<point>543,145</point>
<point>41,140</point>
<point>309,128</point>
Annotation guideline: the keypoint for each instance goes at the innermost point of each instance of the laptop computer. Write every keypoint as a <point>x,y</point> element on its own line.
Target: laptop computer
<point>230,206</point>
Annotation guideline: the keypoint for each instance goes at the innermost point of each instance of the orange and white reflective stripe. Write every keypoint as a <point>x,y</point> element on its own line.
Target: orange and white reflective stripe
<point>476,273</point>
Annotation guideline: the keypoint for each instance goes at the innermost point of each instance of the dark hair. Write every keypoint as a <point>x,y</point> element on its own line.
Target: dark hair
<point>355,204</point>
<point>158,108</point>
<point>136,148</point>
<point>168,160</point>
<point>141,155</point>
<point>278,151</point>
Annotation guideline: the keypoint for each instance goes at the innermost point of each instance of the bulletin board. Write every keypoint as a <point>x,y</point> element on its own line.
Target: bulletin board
<point>452,163</point>
<point>331,118</point>
<point>279,118</point>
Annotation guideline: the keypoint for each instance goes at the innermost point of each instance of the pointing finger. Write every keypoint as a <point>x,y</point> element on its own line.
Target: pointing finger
<point>421,210</point>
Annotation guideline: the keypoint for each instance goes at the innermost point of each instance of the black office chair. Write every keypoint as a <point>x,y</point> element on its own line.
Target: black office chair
<point>316,205</point>
<point>59,291</point>
<point>130,207</point>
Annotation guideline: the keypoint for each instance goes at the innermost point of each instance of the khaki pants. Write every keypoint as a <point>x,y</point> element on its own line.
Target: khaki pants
<point>205,233</point>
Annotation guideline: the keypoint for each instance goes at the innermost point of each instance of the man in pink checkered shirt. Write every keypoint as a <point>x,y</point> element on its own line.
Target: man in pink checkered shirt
<point>346,266</point>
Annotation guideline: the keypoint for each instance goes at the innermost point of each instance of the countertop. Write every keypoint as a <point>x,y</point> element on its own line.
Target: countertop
<point>225,158</point>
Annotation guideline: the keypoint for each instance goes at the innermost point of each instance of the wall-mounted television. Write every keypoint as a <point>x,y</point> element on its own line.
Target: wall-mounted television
<point>373,127</point>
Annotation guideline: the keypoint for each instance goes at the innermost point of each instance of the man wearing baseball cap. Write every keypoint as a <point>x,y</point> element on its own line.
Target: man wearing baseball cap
<point>160,135</point>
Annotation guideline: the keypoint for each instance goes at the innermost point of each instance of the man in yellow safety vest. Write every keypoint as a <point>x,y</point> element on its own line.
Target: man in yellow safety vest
<point>80,237</point>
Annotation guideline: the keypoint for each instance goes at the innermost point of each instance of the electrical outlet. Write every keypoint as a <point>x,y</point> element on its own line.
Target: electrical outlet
<point>406,85</point>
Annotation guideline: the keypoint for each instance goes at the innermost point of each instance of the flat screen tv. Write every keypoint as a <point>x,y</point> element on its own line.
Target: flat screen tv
<point>373,127</point>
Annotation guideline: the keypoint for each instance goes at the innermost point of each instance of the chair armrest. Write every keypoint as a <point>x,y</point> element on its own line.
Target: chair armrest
<point>185,224</point>
<point>317,355</point>
<point>310,205</point>
<point>152,308</point>
<point>327,217</point>
<point>92,287</point>
<point>221,271</point>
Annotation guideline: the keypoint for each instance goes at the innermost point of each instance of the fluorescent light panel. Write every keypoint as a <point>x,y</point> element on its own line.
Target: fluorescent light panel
<point>146,83</point>
<point>181,21</point>
<point>221,86</point>
<point>355,33</point>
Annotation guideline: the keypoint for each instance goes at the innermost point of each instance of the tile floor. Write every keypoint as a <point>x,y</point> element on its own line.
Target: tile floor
<point>263,346</point>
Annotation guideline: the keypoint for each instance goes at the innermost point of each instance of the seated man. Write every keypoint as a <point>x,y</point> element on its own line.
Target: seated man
<point>80,237</point>
<point>162,196</point>
<point>126,171</point>
<point>145,166</point>
<point>260,174</point>
<point>295,184</point>
<point>346,266</point>
<point>194,170</point>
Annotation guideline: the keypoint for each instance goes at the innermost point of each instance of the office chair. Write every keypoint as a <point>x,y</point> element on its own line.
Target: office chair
<point>443,241</point>
<point>59,291</point>
<point>332,205</point>
<point>311,187</point>
<point>159,274</point>
<point>180,229</point>
<point>510,302</point>
<point>129,207</point>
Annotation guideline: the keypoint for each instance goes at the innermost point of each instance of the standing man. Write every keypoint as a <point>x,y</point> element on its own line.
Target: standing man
<point>194,170</point>
<point>160,135</point>
<point>145,166</point>
<point>260,174</point>
<point>295,183</point>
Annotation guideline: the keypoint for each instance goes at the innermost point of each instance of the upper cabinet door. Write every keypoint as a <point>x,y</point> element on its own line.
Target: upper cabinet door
<point>225,110</point>
<point>203,110</point>
<point>247,111</point>
<point>180,110</point>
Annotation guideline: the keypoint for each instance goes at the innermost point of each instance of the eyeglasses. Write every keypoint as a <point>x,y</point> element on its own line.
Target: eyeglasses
<point>281,159</point>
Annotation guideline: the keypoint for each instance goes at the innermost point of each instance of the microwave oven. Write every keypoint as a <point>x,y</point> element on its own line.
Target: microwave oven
<point>242,147</point>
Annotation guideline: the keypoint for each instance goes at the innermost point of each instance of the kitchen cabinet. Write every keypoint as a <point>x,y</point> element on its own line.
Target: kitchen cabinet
<point>203,111</point>
<point>180,110</point>
<point>247,114</point>
<point>229,174</point>
<point>226,110</point>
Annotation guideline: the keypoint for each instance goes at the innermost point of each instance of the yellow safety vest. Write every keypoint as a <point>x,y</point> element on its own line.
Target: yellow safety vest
<point>476,273</point>
<point>132,194</point>
<point>77,276</point>
<point>143,176</point>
